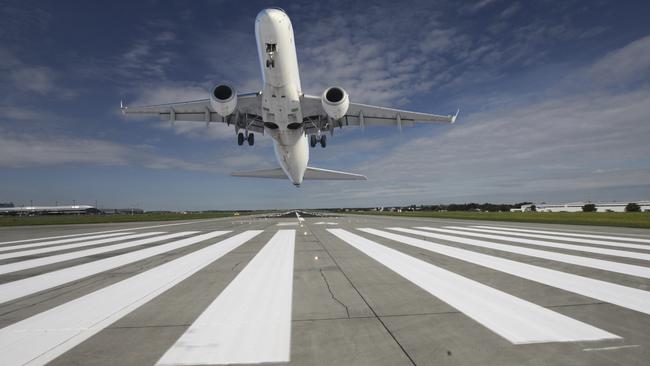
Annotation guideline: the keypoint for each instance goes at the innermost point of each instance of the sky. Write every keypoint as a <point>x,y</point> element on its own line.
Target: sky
<point>554,99</point>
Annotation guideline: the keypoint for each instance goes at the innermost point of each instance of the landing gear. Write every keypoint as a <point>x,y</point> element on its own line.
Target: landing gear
<point>241,139</point>
<point>314,140</point>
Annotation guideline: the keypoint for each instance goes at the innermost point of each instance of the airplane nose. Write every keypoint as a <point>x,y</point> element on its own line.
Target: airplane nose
<point>270,14</point>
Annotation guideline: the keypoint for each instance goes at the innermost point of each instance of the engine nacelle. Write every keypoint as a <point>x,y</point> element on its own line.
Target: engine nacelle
<point>335,102</point>
<point>223,99</point>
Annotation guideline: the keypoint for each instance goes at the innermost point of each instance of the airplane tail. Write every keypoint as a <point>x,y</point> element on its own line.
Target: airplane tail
<point>326,174</point>
<point>310,174</point>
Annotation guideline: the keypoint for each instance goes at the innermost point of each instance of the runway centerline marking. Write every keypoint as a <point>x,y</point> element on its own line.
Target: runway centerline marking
<point>17,289</point>
<point>43,337</point>
<point>60,241</point>
<point>624,296</point>
<point>550,244</point>
<point>517,320</point>
<point>250,320</point>
<point>57,248</point>
<point>562,233</point>
<point>552,237</point>
<point>37,262</point>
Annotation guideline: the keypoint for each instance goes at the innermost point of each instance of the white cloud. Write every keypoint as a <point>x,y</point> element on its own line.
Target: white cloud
<point>554,145</point>
<point>629,63</point>
<point>25,150</point>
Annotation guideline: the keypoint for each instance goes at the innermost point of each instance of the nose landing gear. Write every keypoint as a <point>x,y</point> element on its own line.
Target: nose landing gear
<point>314,140</point>
<point>241,139</point>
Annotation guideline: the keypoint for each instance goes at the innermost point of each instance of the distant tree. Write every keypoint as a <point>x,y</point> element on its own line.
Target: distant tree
<point>589,207</point>
<point>533,208</point>
<point>632,207</point>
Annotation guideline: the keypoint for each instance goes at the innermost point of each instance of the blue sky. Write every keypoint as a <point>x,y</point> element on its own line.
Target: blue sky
<point>554,98</point>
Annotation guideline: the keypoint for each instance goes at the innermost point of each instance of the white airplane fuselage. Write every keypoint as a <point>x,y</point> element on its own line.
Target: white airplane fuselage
<point>281,92</point>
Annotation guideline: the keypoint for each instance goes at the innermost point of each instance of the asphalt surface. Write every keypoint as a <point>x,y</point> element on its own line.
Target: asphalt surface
<point>320,291</point>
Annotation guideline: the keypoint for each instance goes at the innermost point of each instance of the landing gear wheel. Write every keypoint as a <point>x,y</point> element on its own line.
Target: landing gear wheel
<point>240,139</point>
<point>251,139</point>
<point>323,141</point>
<point>313,141</point>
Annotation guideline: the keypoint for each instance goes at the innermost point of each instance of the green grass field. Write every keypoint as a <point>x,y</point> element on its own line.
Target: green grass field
<point>623,219</point>
<point>96,219</point>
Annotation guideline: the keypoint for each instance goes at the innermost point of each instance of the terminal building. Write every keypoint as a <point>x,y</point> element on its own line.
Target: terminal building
<point>577,207</point>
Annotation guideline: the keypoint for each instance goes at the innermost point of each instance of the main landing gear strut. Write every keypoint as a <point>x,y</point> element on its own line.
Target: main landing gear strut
<point>241,139</point>
<point>313,140</point>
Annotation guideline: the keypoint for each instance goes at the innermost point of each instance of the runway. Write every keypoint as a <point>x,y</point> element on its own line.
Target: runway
<point>343,290</point>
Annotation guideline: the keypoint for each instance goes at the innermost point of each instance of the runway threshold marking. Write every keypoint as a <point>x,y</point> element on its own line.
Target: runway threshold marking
<point>113,231</point>
<point>517,320</point>
<point>16,289</point>
<point>60,241</point>
<point>250,321</point>
<point>38,262</point>
<point>550,244</point>
<point>553,237</point>
<point>605,265</point>
<point>56,248</point>
<point>47,335</point>
<point>623,296</point>
<point>563,233</point>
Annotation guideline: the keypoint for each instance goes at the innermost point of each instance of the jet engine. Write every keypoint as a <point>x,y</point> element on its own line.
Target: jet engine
<point>223,99</point>
<point>335,102</point>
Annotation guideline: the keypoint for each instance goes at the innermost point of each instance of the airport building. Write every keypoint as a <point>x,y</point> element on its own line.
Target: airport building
<point>577,207</point>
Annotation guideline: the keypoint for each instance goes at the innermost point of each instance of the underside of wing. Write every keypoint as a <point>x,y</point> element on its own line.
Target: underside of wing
<point>247,114</point>
<point>365,115</point>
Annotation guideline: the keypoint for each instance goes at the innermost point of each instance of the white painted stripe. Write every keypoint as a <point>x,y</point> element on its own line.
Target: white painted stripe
<point>250,321</point>
<point>38,262</point>
<point>60,241</point>
<point>564,233</point>
<point>515,319</point>
<point>60,237</point>
<point>57,248</point>
<point>624,296</point>
<point>16,289</point>
<point>47,335</point>
<point>628,269</point>
<point>552,237</point>
<point>550,244</point>
<point>115,231</point>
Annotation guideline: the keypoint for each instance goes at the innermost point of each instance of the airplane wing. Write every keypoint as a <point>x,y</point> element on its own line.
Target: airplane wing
<point>248,114</point>
<point>365,115</point>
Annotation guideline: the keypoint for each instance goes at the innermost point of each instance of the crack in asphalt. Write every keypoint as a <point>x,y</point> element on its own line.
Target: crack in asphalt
<point>347,311</point>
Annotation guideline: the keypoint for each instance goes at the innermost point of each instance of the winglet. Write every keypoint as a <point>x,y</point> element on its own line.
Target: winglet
<point>453,118</point>
<point>122,107</point>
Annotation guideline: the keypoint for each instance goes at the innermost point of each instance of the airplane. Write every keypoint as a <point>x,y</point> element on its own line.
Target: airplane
<point>293,119</point>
